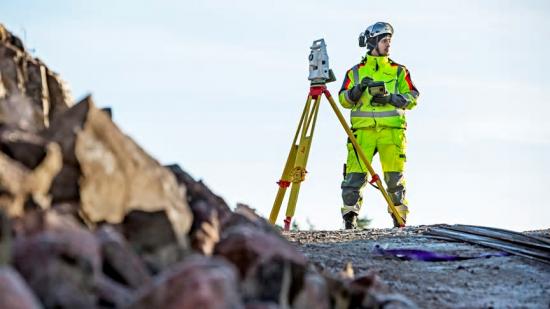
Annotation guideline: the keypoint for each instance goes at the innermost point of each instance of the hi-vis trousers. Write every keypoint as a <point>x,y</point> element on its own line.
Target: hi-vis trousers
<point>390,144</point>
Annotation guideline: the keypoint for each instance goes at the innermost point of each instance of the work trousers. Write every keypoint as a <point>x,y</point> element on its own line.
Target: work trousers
<point>390,144</point>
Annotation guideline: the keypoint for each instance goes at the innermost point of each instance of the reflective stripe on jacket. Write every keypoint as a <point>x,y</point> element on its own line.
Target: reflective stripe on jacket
<point>397,80</point>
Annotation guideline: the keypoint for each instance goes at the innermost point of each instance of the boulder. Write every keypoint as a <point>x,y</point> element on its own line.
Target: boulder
<point>116,175</point>
<point>60,260</point>
<point>271,268</point>
<point>197,282</point>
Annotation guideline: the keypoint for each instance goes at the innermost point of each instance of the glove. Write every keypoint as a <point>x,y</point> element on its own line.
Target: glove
<point>365,83</point>
<point>397,100</point>
<point>356,92</point>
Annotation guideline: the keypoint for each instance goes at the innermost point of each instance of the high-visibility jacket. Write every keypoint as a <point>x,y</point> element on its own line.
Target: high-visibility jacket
<point>397,80</point>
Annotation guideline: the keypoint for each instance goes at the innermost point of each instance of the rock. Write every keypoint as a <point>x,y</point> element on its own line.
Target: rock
<point>315,293</point>
<point>197,282</point>
<point>117,176</point>
<point>20,185</point>
<point>111,294</point>
<point>59,95</point>
<point>65,187</point>
<point>210,211</point>
<point>365,291</point>
<point>24,147</point>
<point>120,262</point>
<point>273,269</point>
<point>108,111</point>
<point>12,77</point>
<point>63,130</point>
<point>347,272</point>
<point>7,38</point>
<point>36,87</point>
<point>151,236</point>
<point>246,246</point>
<point>244,215</point>
<point>14,292</point>
<point>205,231</point>
<point>30,93</point>
<point>18,112</point>
<point>275,279</point>
<point>60,261</point>
<point>198,191</point>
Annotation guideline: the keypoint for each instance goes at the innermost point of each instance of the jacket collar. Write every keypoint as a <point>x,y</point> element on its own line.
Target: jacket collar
<point>375,62</point>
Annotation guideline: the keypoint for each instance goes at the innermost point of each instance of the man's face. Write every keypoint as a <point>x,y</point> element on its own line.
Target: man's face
<point>384,46</point>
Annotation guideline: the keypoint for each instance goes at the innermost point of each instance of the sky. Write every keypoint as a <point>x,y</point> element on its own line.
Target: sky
<point>218,88</point>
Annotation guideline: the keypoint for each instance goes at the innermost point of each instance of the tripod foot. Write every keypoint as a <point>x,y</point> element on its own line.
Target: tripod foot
<point>287,223</point>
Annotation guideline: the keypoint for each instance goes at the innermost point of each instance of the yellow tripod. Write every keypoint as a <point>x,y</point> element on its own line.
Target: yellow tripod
<point>295,168</point>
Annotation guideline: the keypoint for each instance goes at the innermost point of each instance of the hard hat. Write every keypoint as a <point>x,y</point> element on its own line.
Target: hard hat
<point>369,38</point>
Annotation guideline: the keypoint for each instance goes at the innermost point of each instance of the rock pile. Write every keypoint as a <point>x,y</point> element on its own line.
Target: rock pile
<point>89,220</point>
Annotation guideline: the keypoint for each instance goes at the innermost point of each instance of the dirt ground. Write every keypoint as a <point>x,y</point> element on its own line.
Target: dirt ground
<point>496,282</point>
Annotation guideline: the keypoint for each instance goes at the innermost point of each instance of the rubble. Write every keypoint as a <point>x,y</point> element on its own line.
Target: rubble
<point>90,220</point>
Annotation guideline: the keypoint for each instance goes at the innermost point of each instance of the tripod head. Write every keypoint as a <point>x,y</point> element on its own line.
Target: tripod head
<point>319,71</point>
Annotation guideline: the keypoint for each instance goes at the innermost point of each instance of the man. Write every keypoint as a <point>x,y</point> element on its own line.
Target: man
<point>377,120</point>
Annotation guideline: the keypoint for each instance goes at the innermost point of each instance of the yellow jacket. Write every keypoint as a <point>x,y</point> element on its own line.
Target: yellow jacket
<point>397,80</point>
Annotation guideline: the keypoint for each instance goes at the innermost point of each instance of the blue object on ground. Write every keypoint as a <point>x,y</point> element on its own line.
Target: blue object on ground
<point>430,256</point>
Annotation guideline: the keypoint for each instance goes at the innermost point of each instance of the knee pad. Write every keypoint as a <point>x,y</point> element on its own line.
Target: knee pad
<point>350,196</point>
<point>394,181</point>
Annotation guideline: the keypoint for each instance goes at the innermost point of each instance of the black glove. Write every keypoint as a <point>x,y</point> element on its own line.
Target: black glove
<point>356,92</point>
<point>397,100</point>
<point>365,83</point>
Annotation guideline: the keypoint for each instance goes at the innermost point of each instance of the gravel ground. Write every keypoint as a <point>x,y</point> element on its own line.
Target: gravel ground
<point>496,282</point>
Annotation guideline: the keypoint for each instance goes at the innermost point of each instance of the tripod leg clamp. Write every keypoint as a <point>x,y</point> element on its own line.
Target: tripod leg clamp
<point>283,183</point>
<point>298,174</point>
<point>374,179</point>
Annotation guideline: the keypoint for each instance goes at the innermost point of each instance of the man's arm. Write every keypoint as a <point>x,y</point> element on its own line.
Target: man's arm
<point>345,96</point>
<point>407,89</point>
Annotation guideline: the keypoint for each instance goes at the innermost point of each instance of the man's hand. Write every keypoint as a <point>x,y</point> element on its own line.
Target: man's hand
<point>365,83</point>
<point>396,100</point>
<point>356,92</point>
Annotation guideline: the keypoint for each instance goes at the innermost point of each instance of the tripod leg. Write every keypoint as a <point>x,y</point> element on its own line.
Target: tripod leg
<point>302,156</point>
<point>361,154</point>
<point>285,179</point>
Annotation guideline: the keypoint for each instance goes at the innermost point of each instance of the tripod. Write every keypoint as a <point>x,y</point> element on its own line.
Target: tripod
<point>294,171</point>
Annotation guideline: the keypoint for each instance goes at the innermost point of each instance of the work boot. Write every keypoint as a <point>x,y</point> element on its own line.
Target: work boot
<point>395,223</point>
<point>402,210</point>
<point>350,221</point>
